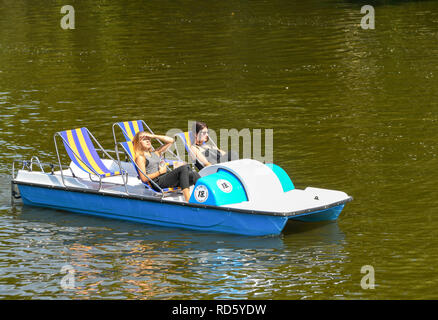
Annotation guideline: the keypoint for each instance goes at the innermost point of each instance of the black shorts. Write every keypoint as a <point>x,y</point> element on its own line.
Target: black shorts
<point>182,177</point>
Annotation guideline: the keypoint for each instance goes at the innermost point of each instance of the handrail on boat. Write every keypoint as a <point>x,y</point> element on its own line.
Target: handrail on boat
<point>27,165</point>
<point>38,161</point>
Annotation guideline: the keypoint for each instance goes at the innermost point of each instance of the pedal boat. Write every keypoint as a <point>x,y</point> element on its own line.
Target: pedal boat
<point>244,197</point>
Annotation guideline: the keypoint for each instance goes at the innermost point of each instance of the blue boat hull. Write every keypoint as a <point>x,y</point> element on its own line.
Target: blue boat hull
<point>153,212</point>
<point>167,214</point>
<point>329,214</point>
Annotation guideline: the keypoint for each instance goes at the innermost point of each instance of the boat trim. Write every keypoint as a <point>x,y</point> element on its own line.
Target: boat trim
<point>194,205</point>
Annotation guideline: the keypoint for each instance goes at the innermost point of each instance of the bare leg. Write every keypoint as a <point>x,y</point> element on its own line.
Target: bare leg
<point>186,193</point>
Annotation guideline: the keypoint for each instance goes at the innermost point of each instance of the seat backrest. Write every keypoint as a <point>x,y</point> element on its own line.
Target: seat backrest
<point>188,138</point>
<point>81,151</point>
<point>130,128</point>
<point>128,146</point>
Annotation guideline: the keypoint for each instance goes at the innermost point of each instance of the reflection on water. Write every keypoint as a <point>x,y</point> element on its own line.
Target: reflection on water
<point>115,259</point>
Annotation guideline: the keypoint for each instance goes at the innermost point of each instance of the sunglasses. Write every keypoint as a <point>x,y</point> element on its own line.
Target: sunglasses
<point>145,138</point>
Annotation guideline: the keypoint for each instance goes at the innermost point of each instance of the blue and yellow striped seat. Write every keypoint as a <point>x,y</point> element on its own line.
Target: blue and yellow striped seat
<point>129,149</point>
<point>81,151</point>
<point>130,128</point>
<point>188,139</point>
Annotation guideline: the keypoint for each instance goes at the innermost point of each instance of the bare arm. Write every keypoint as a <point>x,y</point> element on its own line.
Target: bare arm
<point>198,155</point>
<point>141,163</point>
<point>222,152</point>
<point>168,141</point>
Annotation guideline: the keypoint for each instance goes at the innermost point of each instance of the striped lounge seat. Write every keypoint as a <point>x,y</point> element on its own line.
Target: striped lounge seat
<point>131,128</point>
<point>81,151</point>
<point>188,140</point>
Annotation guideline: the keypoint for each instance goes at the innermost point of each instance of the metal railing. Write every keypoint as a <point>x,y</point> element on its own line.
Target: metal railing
<point>50,168</point>
<point>28,165</point>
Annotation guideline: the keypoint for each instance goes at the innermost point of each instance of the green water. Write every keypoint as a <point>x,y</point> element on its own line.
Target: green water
<point>351,109</point>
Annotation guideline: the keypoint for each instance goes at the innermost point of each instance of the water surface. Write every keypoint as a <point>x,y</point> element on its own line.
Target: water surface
<point>351,109</point>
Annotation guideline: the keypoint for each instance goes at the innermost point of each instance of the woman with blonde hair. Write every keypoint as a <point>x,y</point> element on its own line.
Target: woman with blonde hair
<point>149,160</point>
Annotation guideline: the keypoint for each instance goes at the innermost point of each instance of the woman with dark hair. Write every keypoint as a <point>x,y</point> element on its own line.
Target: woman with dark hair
<point>205,153</point>
<point>150,162</point>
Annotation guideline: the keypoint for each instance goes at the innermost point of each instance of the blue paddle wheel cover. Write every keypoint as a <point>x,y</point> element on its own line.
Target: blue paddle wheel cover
<point>218,189</point>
